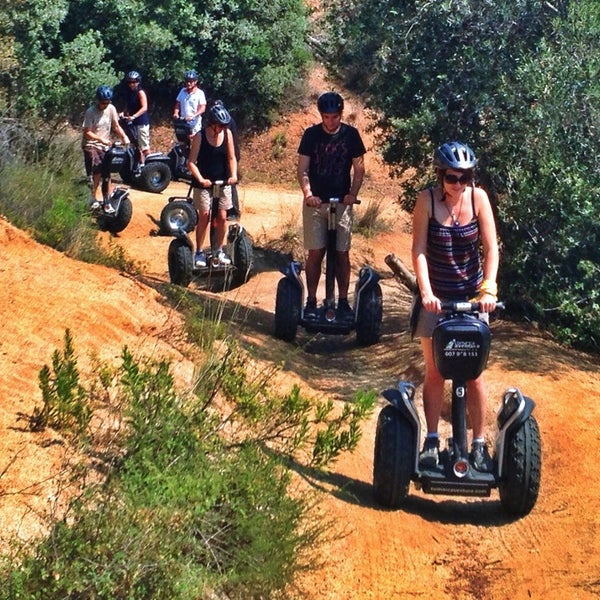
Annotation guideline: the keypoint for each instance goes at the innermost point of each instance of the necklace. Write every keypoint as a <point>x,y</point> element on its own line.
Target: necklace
<point>455,217</point>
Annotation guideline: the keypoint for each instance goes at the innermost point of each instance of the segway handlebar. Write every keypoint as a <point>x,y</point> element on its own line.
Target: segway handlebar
<point>336,200</point>
<point>465,307</point>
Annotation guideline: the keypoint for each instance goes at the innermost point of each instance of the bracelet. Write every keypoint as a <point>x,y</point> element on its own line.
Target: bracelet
<point>489,287</point>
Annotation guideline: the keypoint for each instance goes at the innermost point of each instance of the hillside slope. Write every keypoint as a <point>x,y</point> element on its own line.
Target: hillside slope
<point>434,547</point>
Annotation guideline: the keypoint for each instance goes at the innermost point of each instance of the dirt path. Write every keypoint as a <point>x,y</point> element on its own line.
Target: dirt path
<point>434,546</point>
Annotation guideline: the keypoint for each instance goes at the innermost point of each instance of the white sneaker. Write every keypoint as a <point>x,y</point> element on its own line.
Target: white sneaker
<point>223,258</point>
<point>200,259</point>
<point>95,205</point>
<point>109,210</point>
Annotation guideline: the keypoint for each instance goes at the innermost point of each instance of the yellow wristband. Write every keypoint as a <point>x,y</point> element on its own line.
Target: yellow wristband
<point>488,287</point>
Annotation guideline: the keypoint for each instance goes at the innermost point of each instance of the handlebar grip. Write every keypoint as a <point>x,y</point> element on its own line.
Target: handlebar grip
<point>466,307</point>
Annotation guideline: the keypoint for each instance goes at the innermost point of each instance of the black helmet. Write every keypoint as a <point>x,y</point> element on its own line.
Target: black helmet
<point>104,93</point>
<point>454,155</point>
<point>190,75</point>
<point>133,76</point>
<point>217,113</point>
<point>330,102</point>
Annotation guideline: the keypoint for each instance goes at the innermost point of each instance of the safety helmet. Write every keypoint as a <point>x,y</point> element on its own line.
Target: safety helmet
<point>454,155</point>
<point>190,75</point>
<point>104,93</point>
<point>217,113</point>
<point>330,102</point>
<point>133,76</point>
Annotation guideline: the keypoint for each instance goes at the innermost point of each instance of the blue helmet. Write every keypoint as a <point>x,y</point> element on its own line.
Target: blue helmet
<point>104,93</point>
<point>330,102</point>
<point>190,75</point>
<point>454,155</point>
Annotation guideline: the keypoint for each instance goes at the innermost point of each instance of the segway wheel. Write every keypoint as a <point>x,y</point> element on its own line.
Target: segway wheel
<point>117,223</point>
<point>288,304</point>
<point>155,177</point>
<point>181,262</point>
<point>521,473</point>
<point>243,260</point>
<point>369,315</point>
<point>394,460</point>
<point>177,216</point>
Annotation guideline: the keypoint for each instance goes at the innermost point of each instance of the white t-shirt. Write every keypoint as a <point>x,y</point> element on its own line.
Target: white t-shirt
<point>100,121</point>
<point>188,105</point>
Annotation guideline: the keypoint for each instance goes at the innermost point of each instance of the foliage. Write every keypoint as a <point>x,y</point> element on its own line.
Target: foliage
<point>248,52</point>
<point>196,500</point>
<point>64,399</point>
<point>516,81</point>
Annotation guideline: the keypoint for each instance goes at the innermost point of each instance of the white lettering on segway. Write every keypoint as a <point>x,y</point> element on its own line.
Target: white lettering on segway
<point>461,349</point>
<point>460,391</point>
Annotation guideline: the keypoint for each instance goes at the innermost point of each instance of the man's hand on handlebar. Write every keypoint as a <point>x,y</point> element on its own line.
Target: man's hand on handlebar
<point>313,201</point>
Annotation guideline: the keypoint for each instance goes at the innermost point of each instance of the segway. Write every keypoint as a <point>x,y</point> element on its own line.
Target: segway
<point>154,175</point>
<point>179,218</point>
<point>116,220</point>
<point>368,303</point>
<point>461,344</point>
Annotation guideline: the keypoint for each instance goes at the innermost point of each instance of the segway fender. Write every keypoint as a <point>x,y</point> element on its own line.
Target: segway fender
<point>402,398</point>
<point>292,272</point>
<point>367,278</point>
<point>514,410</point>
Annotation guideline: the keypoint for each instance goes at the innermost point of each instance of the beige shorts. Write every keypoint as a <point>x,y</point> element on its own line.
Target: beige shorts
<point>202,199</point>
<point>428,320</point>
<point>143,136</point>
<point>315,227</point>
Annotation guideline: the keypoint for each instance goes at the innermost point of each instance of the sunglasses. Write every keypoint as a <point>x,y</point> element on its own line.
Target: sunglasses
<point>464,178</point>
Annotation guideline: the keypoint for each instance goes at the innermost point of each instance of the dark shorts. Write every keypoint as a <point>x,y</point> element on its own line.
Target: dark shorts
<point>92,157</point>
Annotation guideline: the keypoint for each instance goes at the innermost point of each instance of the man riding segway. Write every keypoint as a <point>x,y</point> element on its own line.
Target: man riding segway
<point>330,173</point>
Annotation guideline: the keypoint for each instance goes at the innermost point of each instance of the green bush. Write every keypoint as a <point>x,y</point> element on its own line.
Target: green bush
<point>195,501</point>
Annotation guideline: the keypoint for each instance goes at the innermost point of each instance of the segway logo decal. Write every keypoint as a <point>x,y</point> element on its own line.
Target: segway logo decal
<point>461,348</point>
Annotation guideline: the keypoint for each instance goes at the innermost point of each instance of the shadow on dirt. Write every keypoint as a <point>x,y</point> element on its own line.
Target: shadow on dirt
<point>486,511</point>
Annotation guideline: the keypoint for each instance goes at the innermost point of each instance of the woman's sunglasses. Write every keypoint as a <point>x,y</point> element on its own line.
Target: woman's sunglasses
<point>464,178</point>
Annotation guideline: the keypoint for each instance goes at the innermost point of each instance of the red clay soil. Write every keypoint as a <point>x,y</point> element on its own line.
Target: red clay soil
<point>435,546</point>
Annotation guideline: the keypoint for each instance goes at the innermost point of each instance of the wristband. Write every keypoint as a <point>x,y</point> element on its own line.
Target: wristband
<point>488,287</point>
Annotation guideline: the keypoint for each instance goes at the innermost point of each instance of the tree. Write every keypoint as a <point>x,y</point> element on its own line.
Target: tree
<point>246,52</point>
<point>517,81</point>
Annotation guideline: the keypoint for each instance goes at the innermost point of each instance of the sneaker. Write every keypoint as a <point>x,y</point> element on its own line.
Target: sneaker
<point>95,205</point>
<point>200,259</point>
<point>223,258</point>
<point>429,456</point>
<point>480,458</point>
<point>109,210</point>
<point>310,310</point>
<point>344,310</point>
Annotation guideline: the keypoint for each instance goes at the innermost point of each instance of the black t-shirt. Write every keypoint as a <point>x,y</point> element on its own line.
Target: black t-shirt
<point>331,158</point>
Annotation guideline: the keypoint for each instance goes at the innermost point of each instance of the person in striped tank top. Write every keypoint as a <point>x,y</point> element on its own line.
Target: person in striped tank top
<point>455,257</point>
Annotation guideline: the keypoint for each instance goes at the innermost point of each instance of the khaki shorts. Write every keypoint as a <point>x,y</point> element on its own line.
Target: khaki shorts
<point>428,320</point>
<point>202,199</point>
<point>315,227</point>
<point>143,136</point>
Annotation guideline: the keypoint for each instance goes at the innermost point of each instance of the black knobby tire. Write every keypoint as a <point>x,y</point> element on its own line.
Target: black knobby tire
<point>117,223</point>
<point>155,177</point>
<point>181,262</point>
<point>243,260</point>
<point>369,315</point>
<point>176,216</point>
<point>521,473</point>
<point>394,458</point>
<point>288,304</point>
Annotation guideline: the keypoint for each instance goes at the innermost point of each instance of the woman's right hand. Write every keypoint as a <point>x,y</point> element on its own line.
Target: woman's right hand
<point>431,303</point>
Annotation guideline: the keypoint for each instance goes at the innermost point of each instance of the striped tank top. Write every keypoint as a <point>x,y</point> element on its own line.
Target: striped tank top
<point>454,257</point>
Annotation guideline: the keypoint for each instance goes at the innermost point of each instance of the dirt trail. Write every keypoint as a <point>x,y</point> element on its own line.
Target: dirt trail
<point>434,546</point>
